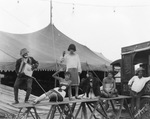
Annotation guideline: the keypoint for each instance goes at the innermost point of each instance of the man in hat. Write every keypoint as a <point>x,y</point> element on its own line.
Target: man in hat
<point>136,84</point>
<point>23,80</point>
<point>73,66</point>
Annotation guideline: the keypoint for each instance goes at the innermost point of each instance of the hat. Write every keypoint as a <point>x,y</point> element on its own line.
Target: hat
<point>139,69</point>
<point>23,51</point>
<point>110,72</point>
<point>72,47</point>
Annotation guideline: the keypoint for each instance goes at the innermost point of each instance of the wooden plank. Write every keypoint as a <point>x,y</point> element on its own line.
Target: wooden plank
<point>66,101</point>
<point>146,96</point>
<point>7,98</point>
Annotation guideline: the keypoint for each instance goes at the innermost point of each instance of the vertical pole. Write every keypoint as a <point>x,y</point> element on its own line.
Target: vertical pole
<point>51,12</point>
<point>53,39</point>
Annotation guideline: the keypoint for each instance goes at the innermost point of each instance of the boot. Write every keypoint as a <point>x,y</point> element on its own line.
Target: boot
<point>26,98</point>
<point>16,96</point>
<point>28,92</point>
<point>38,99</point>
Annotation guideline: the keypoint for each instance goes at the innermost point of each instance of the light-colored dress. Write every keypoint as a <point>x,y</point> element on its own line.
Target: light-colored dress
<point>73,65</point>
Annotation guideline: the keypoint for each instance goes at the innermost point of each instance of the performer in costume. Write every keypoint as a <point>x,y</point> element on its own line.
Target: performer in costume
<point>73,66</point>
<point>58,93</point>
<point>109,86</point>
<point>23,80</point>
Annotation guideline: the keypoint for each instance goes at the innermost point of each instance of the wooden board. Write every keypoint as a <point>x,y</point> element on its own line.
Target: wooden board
<point>7,98</point>
<point>66,101</point>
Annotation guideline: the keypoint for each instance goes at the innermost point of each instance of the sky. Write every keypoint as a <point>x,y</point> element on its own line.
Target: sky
<point>104,26</point>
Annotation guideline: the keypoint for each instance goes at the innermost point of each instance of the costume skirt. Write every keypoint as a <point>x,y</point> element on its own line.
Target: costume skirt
<point>74,76</point>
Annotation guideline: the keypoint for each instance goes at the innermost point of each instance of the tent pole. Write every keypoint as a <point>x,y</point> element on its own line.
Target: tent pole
<point>104,74</point>
<point>51,22</point>
<point>51,12</point>
<point>58,74</point>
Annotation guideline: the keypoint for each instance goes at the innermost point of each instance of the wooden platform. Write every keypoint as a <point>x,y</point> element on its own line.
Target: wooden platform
<point>66,101</point>
<point>83,104</point>
<point>7,98</point>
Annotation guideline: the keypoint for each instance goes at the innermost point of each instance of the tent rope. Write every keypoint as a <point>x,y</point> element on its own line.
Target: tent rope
<point>8,54</point>
<point>39,84</point>
<point>93,72</point>
<point>41,87</point>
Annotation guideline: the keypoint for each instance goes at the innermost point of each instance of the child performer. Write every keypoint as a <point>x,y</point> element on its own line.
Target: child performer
<point>109,86</point>
<point>58,93</point>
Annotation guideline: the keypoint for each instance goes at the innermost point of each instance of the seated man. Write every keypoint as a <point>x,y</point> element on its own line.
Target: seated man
<point>136,85</point>
<point>58,93</point>
<point>109,86</point>
<point>90,86</point>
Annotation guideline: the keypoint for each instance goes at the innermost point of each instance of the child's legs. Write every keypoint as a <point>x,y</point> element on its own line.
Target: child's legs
<point>70,92</point>
<point>49,93</point>
<point>43,96</point>
<point>76,91</point>
<point>104,94</point>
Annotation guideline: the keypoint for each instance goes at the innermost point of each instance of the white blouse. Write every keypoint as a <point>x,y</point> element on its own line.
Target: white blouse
<point>72,61</point>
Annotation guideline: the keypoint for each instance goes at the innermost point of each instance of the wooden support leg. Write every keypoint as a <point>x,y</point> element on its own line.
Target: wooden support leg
<point>32,115</point>
<point>71,112</point>
<point>113,107</point>
<point>53,112</point>
<point>105,113</point>
<point>61,111</point>
<point>95,107</point>
<point>78,110</point>
<point>112,104</point>
<point>36,114</point>
<point>73,107</point>
<point>27,113</point>
<point>84,111</point>
<point>120,109</point>
<point>128,109</point>
<point>17,116</point>
<point>90,110</point>
<point>49,112</point>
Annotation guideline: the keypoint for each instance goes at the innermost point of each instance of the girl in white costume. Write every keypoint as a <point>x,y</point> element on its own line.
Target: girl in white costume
<point>58,93</point>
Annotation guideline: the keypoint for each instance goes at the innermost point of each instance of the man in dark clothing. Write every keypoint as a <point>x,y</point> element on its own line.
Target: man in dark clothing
<point>90,85</point>
<point>24,79</point>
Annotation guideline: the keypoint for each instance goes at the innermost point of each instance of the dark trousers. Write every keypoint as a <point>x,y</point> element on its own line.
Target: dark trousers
<point>24,83</point>
<point>135,101</point>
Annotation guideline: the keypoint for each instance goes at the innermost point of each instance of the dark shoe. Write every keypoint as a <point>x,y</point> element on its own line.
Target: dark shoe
<point>34,102</point>
<point>26,101</point>
<point>16,102</point>
<point>76,97</point>
<point>70,99</point>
